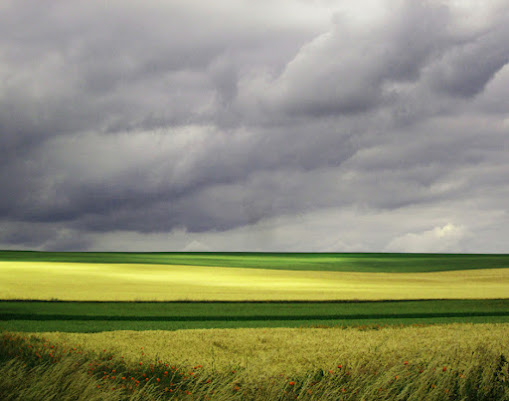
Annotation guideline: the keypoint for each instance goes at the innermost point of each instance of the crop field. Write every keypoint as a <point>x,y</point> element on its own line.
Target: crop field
<point>135,326</point>
<point>443,362</point>
<point>317,348</point>
<point>346,262</point>
<point>131,282</point>
<point>106,316</point>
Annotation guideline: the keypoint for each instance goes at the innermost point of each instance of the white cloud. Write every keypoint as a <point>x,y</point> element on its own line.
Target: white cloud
<point>196,246</point>
<point>439,239</point>
<point>336,230</point>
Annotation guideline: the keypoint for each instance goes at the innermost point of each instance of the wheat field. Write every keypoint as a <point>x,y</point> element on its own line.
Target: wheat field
<point>111,282</point>
<point>295,351</point>
<point>443,362</point>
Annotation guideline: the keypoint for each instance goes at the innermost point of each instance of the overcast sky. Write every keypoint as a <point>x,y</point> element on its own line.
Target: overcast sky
<point>241,125</point>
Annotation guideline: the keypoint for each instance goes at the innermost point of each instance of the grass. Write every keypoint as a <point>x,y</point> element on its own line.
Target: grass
<point>104,316</point>
<point>115,282</point>
<point>294,350</point>
<point>344,262</point>
<point>449,362</point>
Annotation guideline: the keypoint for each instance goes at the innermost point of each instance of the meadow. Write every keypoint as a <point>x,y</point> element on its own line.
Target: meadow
<point>229,326</point>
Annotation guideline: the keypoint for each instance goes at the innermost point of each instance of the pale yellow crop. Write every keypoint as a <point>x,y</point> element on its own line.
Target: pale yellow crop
<point>81,281</point>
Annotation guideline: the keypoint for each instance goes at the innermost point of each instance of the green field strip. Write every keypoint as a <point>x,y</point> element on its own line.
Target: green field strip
<point>84,326</point>
<point>251,308</point>
<point>346,262</point>
<point>268,309</point>
<point>206,318</point>
<point>251,312</point>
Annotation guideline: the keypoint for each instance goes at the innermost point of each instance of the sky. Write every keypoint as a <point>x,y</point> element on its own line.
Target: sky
<point>240,125</point>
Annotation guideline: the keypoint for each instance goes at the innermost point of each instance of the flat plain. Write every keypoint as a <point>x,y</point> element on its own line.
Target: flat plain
<point>130,326</point>
<point>227,277</point>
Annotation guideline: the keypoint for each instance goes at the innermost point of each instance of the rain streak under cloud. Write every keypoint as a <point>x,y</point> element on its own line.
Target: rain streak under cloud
<point>254,125</point>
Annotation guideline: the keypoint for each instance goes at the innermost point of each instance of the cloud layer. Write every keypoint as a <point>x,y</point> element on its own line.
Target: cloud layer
<point>299,126</point>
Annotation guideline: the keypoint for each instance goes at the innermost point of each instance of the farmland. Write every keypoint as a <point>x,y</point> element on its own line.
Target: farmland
<point>444,362</point>
<point>129,326</point>
<point>106,316</point>
<point>86,281</point>
<point>345,262</point>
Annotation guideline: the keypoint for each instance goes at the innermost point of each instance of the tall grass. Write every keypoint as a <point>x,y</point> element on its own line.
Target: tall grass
<point>470,368</point>
<point>27,373</point>
<point>295,351</point>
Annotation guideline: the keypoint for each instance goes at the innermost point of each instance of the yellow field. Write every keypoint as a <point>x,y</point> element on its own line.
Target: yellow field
<point>81,281</point>
<point>295,351</point>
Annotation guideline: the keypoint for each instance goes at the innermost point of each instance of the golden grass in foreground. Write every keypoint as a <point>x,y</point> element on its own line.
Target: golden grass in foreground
<point>295,351</point>
<point>110,282</point>
<point>433,363</point>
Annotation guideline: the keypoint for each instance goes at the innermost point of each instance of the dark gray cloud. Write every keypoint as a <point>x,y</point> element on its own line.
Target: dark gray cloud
<point>191,125</point>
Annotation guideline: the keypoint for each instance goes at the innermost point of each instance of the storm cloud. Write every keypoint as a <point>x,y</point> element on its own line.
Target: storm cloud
<point>254,126</point>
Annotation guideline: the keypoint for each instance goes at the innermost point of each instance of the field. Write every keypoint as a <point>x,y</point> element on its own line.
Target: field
<point>346,262</point>
<point>253,326</point>
<point>443,362</point>
<point>251,277</point>
<point>106,316</point>
<point>317,348</point>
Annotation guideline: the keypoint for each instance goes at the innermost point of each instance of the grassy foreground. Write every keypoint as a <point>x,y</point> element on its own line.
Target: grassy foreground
<point>107,316</point>
<point>115,282</point>
<point>446,362</point>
